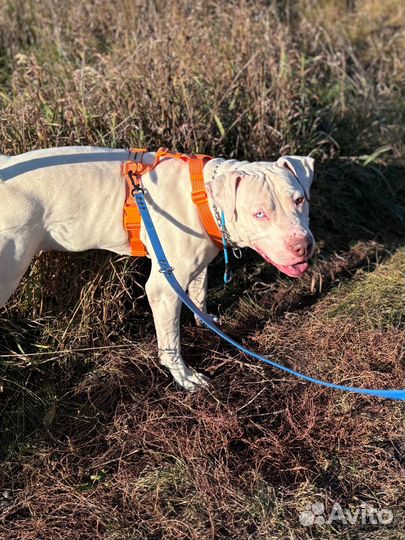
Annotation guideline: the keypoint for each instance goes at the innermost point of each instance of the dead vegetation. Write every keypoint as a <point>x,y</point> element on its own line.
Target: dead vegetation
<point>97,442</point>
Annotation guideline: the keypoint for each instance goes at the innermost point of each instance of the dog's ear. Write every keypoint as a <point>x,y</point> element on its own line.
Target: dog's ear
<point>301,167</point>
<point>223,192</point>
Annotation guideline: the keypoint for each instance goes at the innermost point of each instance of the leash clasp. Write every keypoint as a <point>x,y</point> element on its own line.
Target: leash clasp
<point>137,189</point>
<point>136,184</point>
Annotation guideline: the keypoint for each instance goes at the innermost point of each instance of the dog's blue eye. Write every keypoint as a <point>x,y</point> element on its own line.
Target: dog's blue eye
<point>260,215</point>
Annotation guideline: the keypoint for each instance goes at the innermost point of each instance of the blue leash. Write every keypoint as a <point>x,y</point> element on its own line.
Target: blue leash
<point>167,270</point>
<point>228,273</point>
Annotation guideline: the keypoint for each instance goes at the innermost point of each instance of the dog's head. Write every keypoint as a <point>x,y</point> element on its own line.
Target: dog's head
<point>266,206</point>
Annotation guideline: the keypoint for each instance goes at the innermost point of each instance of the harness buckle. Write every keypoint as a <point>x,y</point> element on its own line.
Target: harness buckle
<point>131,218</point>
<point>199,196</point>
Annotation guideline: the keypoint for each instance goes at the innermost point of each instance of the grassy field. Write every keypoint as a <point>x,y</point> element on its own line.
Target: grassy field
<point>96,440</point>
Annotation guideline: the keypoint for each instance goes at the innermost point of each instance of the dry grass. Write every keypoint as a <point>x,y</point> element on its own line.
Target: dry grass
<point>96,439</point>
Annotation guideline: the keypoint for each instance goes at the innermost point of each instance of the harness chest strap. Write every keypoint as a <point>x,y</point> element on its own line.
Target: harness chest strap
<point>132,172</point>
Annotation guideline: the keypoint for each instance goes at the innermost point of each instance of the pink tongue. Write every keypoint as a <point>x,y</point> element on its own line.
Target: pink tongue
<point>293,270</point>
<point>301,267</point>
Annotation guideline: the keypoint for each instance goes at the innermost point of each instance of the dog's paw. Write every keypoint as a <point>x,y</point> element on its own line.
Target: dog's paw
<point>192,381</point>
<point>188,378</point>
<point>212,318</point>
<point>198,381</point>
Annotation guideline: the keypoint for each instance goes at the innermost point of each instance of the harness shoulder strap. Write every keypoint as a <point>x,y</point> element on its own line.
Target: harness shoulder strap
<point>200,197</point>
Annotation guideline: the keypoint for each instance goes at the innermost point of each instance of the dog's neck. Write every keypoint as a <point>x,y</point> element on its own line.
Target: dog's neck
<point>214,168</point>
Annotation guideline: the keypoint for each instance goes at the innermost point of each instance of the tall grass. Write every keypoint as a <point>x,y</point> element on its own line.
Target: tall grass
<point>246,79</point>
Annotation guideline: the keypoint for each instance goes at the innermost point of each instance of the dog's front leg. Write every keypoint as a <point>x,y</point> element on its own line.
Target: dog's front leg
<point>17,248</point>
<point>197,291</point>
<point>166,306</point>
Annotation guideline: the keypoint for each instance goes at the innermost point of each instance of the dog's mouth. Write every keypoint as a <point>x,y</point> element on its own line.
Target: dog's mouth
<point>293,270</point>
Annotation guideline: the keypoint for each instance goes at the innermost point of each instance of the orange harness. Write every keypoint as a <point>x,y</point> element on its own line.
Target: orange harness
<point>133,170</point>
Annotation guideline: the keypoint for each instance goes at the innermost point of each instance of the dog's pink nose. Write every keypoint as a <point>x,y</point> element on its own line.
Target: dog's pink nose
<point>301,246</point>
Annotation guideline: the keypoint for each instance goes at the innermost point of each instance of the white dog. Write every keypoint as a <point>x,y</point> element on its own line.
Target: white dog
<point>72,199</point>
